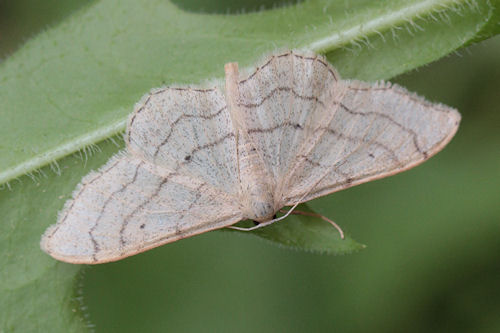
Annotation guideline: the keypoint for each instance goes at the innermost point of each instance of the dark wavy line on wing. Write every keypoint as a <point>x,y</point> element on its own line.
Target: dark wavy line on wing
<point>288,89</point>
<point>84,186</point>
<point>345,108</point>
<point>138,208</point>
<point>287,54</point>
<point>184,116</point>
<point>101,213</point>
<point>328,130</point>
<point>139,110</point>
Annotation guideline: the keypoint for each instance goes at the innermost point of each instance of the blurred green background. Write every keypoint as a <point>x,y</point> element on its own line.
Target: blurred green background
<point>432,261</point>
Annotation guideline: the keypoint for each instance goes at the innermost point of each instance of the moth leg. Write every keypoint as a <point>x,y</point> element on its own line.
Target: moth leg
<point>256,226</point>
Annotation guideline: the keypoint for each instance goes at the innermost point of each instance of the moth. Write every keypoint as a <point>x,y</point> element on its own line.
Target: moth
<point>200,159</point>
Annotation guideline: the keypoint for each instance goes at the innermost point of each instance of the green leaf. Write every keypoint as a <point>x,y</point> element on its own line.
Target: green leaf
<point>305,233</point>
<point>73,85</point>
<point>82,78</point>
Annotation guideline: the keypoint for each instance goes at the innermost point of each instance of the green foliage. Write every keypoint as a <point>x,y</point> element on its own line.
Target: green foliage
<point>74,84</point>
<point>305,233</point>
<point>82,78</point>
